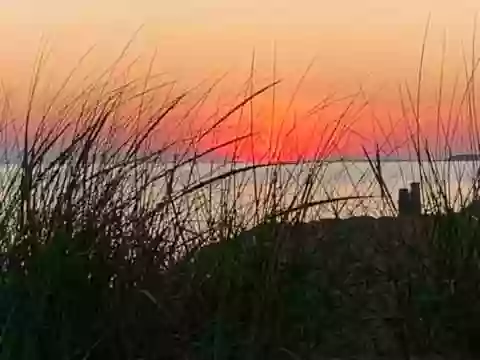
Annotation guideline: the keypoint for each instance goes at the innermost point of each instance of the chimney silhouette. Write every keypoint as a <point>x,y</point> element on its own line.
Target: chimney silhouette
<point>410,202</point>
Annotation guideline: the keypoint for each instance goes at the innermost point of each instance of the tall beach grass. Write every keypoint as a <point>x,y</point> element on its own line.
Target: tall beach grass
<point>119,241</point>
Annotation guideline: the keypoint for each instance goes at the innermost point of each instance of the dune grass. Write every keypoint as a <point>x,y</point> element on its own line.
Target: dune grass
<point>116,246</point>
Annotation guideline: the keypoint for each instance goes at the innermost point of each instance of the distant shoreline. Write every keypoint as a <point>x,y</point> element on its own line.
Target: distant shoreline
<point>453,158</point>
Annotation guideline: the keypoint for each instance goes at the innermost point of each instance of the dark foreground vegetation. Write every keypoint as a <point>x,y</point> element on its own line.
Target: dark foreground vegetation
<point>108,251</point>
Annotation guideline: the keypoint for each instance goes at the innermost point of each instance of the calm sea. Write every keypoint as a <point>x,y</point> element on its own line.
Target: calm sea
<point>227,188</point>
<point>292,185</point>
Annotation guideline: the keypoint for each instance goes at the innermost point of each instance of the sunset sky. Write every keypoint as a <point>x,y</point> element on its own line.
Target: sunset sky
<point>372,44</point>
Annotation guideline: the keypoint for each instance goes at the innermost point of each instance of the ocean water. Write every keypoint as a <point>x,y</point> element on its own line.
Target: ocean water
<point>296,184</point>
<point>206,191</point>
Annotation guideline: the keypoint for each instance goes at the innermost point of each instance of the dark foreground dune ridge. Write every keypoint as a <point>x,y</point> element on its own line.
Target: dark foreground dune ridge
<point>397,287</point>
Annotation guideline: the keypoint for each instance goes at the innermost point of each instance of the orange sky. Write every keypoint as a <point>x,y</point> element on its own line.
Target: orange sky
<point>373,43</point>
